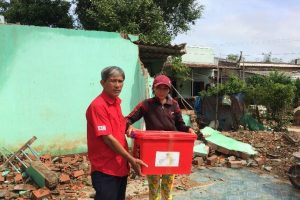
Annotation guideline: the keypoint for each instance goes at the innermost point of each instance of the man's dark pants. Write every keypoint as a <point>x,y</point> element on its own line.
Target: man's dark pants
<point>109,187</point>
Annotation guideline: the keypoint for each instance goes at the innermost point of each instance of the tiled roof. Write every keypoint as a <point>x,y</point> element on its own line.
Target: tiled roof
<point>159,51</point>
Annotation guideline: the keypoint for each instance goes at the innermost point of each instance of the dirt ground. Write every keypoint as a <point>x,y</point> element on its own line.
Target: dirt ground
<point>275,149</point>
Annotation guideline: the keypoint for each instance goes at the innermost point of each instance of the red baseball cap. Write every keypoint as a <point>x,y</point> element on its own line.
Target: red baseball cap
<point>162,80</point>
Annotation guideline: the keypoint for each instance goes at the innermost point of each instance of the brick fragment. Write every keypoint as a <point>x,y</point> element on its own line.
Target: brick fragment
<point>2,179</point>
<point>78,173</point>
<point>41,193</point>
<point>198,161</point>
<point>18,178</point>
<point>23,187</point>
<point>10,177</point>
<point>212,160</point>
<point>66,159</point>
<point>222,160</point>
<point>64,178</point>
<point>75,159</point>
<point>260,160</point>
<point>236,163</point>
<point>46,158</point>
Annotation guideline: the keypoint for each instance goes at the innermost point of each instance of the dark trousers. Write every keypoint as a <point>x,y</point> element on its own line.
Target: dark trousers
<point>109,187</point>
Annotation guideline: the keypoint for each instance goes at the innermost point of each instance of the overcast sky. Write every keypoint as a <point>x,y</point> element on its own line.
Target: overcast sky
<point>252,26</point>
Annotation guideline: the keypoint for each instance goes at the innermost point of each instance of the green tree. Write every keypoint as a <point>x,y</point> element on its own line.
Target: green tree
<point>178,15</point>
<point>277,93</point>
<point>277,77</point>
<point>53,13</point>
<point>279,100</point>
<point>256,80</point>
<point>297,93</point>
<point>233,85</point>
<point>255,89</point>
<point>177,69</point>
<point>3,6</point>
<point>155,21</point>
<point>232,57</point>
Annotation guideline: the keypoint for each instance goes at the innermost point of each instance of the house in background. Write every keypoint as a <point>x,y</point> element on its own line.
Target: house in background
<point>200,59</point>
<point>203,65</point>
<point>248,69</point>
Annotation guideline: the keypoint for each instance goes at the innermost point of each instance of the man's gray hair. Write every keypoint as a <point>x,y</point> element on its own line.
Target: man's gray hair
<point>111,71</point>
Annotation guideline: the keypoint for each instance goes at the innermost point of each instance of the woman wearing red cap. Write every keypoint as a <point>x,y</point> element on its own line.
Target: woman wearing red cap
<point>162,113</point>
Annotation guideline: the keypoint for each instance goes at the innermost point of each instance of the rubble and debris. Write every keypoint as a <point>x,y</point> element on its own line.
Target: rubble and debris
<point>200,149</point>
<point>212,160</point>
<point>260,160</point>
<point>42,175</point>
<point>280,159</point>
<point>274,156</point>
<point>236,163</point>
<point>198,161</point>
<point>34,166</point>
<point>227,145</point>
<point>41,193</point>
<point>26,187</point>
<point>290,136</point>
<point>17,154</point>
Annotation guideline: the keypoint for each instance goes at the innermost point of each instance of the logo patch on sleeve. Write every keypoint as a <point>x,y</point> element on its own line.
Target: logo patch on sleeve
<point>102,128</point>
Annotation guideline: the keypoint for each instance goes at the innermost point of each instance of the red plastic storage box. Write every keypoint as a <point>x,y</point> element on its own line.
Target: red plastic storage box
<point>165,152</point>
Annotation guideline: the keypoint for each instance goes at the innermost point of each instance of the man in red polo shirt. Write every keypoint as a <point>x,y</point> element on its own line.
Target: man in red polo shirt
<point>107,145</point>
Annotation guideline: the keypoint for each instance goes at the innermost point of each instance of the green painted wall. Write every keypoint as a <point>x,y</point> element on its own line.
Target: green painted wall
<point>49,76</point>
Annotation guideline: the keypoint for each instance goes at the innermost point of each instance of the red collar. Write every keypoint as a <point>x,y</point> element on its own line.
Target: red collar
<point>110,100</point>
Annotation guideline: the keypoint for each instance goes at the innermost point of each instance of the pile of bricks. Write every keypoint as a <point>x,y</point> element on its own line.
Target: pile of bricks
<point>275,152</point>
<point>74,180</point>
